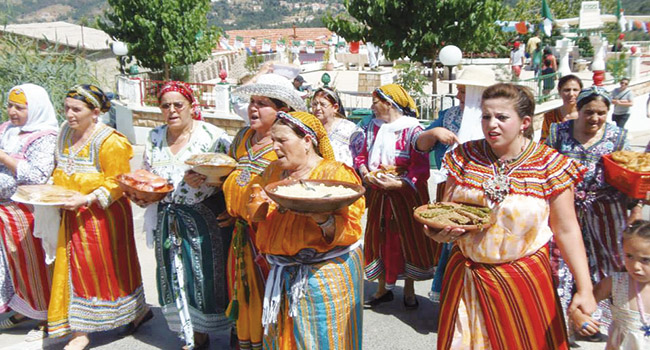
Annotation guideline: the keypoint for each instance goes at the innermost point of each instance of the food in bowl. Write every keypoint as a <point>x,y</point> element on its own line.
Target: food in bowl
<point>305,190</point>
<point>455,214</point>
<point>45,193</point>
<point>634,161</point>
<point>143,180</point>
<point>211,159</point>
<point>388,171</point>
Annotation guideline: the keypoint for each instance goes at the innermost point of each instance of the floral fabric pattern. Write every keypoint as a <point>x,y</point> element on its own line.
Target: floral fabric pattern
<point>36,168</point>
<point>159,160</point>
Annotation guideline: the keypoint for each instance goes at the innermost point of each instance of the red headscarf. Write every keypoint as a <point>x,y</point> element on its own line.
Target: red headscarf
<point>187,92</point>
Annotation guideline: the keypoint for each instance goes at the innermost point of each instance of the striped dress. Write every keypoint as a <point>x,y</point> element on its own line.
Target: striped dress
<point>394,243</point>
<point>247,269</point>
<point>27,279</point>
<point>329,315</point>
<point>601,209</point>
<point>96,284</point>
<point>497,292</point>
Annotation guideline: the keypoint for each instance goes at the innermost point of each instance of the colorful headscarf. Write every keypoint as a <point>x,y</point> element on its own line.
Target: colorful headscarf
<point>311,126</point>
<point>91,95</point>
<point>594,91</point>
<point>187,92</point>
<point>334,96</point>
<point>399,98</point>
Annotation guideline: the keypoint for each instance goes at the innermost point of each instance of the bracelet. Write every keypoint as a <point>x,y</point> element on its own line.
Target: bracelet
<point>329,222</point>
<point>639,204</point>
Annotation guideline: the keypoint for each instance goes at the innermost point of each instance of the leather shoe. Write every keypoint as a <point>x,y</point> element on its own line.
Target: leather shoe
<point>411,306</point>
<point>372,302</point>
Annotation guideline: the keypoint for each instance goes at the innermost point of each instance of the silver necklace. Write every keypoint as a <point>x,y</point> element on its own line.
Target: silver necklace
<point>72,152</point>
<point>497,187</point>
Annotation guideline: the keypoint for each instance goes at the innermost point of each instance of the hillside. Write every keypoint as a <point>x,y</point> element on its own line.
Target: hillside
<point>227,14</point>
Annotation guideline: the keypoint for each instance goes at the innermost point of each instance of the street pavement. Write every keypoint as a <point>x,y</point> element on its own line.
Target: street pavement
<point>389,326</point>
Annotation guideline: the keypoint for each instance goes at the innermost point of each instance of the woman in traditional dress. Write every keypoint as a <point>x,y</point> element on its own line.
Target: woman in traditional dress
<point>27,143</point>
<point>602,210</point>
<point>498,292</point>
<point>395,246</point>
<point>345,136</point>
<point>96,284</point>
<point>314,290</point>
<point>253,150</point>
<point>568,87</point>
<point>190,248</point>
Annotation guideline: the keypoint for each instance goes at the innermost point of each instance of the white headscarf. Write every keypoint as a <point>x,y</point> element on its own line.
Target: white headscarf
<point>40,115</point>
<point>470,125</point>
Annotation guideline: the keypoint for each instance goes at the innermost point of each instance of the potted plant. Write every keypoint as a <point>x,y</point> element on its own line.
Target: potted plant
<point>327,63</point>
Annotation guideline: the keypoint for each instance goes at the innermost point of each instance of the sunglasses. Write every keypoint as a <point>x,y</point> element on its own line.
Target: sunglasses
<point>177,105</point>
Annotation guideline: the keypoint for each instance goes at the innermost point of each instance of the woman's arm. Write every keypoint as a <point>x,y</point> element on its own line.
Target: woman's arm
<point>38,164</point>
<point>565,227</point>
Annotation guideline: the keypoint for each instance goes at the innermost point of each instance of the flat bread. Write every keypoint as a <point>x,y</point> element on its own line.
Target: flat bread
<point>45,193</point>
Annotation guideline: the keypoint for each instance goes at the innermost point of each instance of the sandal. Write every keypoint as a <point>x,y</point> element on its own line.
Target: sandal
<point>11,322</point>
<point>132,327</point>
<point>38,333</point>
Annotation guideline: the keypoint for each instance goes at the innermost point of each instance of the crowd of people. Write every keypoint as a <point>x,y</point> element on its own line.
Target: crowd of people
<point>228,258</point>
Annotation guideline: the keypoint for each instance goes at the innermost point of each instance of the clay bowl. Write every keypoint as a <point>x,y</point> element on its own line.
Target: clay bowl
<point>437,225</point>
<point>314,204</point>
<point>147,196</point>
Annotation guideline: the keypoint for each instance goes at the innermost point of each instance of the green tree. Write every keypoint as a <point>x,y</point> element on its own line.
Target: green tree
<point>526,10</point>
<point>418,29</point>
<point>162,34</point>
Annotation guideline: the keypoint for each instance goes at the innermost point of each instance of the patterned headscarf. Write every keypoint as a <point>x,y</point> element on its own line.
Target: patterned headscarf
<point>311,126</point>
<point>187,92</point>
<point>399,98</point>
<point>91,95</point>
<point>334,96</point>
<point>594,91</point>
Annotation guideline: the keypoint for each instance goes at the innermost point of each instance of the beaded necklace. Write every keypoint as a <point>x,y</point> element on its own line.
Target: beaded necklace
<point>645,325</point>
<point>497,187</point>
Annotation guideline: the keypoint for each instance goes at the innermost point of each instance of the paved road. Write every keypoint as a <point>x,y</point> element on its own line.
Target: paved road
<point>390,326</point>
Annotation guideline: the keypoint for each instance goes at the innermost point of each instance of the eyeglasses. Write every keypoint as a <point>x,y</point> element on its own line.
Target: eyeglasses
<point>177,105</point>
<point>315,104</point>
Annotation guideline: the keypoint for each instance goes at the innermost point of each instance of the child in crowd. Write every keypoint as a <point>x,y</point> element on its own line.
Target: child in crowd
<point>630,293</point>
<point>549,82</point>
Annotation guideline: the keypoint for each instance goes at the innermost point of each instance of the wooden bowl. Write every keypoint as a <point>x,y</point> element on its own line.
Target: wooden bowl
<point>147,196</point>
<point>437,225</point>
<point>314,204</point>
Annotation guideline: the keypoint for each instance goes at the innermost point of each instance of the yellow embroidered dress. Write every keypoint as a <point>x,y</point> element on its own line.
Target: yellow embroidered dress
<point>96,284</point>
<point>246,268</point>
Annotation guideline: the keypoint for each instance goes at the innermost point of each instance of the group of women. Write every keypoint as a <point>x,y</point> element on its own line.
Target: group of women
<point>230,258</point>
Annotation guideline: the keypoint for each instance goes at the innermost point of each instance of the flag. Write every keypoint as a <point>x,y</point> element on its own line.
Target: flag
<point>620,15</point>
<point>547,23</point>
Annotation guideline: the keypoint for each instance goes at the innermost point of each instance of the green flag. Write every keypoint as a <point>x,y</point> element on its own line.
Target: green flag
<point>546,10</point>
<point>619,8</point>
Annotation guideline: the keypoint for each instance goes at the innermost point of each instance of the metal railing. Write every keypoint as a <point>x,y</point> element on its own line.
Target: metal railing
<point>543,87</point>
<point>428,105</point>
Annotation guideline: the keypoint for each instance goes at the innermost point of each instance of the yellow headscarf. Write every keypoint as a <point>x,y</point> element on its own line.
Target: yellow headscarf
<point>310,125</point>
<point>399,98</point>
<point>17,95</point>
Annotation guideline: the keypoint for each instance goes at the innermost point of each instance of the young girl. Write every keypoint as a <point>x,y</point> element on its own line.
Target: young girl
<point>630,293</point>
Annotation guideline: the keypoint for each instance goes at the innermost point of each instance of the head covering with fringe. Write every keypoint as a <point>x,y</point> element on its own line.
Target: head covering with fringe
<point>310,125</point>
<point>90,95</point>
<point>399,98</point>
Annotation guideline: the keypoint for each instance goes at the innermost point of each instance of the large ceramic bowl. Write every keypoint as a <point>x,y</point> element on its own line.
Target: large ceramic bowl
<point>213,166</point>
<point>437,224</point>
<point>316,203</point>
<point>139,194</point>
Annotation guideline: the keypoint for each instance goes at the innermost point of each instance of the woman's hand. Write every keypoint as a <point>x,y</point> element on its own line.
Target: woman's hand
<point>584,324</point>
<point>584,302</point>
<point>193,179</point>
<point>139,202</point>
<point>225,220</point>
<point>446,235</point>
<point>75,202</point>
<point>385,182</point>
